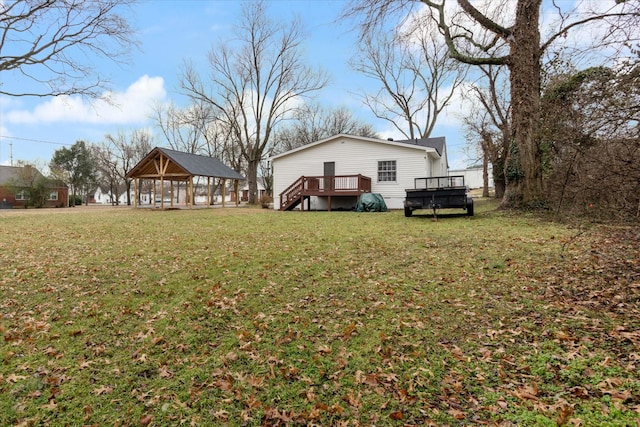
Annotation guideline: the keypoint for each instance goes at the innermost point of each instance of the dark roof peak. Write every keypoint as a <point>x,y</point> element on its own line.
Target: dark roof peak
<point>438,143</point>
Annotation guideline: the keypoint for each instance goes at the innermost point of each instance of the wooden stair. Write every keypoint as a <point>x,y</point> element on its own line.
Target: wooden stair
<point>323,186</point>
<point>292,196</point>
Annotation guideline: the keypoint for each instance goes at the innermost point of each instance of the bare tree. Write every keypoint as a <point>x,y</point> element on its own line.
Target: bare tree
<point>52,42</point>
<point>127,151</point>
<point>313,123</point>
<point>416,75</point>
<point>107,168</point>
<point>185,129</point>
<point>512,38</point>
<point>488,121</point>
<point>255,84</point>
<point>196,130</point>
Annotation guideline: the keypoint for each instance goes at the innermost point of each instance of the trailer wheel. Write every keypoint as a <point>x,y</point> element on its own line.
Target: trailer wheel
<point>408,211</point>
<point>469,206</point>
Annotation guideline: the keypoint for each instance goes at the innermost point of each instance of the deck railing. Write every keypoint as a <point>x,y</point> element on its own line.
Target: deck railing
<point>324,186</point>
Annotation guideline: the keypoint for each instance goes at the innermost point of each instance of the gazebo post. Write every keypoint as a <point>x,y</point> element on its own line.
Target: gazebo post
<point>154,192</point>
<point>135,193</point>
<point>224,191</point>
<point>161,192</point>
<point>191,191</point>
<point>171,191</point>
<point>208,191</point>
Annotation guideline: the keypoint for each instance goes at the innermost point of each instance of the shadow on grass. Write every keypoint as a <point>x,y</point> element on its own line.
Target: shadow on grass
<point>429,215</point>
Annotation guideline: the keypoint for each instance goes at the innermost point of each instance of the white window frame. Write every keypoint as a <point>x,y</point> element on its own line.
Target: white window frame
<point>387,169</point>
<point>22,195</point>
<point>53,195</point>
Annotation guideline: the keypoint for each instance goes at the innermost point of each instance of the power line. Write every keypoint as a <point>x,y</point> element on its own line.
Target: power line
<point>33,140</point>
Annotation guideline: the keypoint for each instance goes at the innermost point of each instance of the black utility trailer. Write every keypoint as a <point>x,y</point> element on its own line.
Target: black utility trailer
<point>438,192</point>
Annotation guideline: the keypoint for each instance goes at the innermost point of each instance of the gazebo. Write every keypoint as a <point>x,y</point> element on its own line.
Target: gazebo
<point>164,164</point>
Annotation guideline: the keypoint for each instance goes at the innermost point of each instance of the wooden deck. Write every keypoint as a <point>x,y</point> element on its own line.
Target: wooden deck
<point>323,186</point>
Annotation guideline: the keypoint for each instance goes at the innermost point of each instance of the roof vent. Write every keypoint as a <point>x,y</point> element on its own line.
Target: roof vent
<point>389,139</point>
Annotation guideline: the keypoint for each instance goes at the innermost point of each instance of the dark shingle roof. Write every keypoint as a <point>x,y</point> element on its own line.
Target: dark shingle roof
<point>13,174</point>
<point>190,164</point>
<point>438,143</point>
<point>201,165</point>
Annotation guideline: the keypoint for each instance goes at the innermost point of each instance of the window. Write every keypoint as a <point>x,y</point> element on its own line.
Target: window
<point>53,195</point>
<point>22,195</point>
<point>387,171</point>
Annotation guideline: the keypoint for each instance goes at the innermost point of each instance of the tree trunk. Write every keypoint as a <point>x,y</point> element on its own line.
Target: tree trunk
<point>252,179</point>
<point>128,187</point>
<point>499,184</point>
<point>485,175</point>
<point>524,177</point>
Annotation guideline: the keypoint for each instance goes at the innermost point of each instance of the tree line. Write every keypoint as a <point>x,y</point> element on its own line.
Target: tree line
<point>533,111</point>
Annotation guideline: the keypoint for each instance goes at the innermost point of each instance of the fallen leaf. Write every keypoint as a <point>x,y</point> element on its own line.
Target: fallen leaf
<point>102,390</point>
<point>324,349</point>
<point>145,420</point>
<point>13,378</point>
<point>165,372</point>
<point>396,415</point>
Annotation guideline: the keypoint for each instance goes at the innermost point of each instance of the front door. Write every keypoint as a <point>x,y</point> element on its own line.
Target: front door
<point>329,173</point>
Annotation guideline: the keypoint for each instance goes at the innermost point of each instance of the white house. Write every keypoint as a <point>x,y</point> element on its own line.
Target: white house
<point>102,195</point>
<point>473,176</point>
<point>332,172</point>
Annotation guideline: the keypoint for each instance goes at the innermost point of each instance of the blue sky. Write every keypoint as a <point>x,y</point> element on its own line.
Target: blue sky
<point>170,32</point>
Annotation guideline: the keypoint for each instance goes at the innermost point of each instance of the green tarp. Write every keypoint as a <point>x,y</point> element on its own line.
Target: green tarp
<point>371,202</point>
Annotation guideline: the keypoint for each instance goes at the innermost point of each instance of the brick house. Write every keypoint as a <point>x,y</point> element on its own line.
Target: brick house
<point>17,181</point>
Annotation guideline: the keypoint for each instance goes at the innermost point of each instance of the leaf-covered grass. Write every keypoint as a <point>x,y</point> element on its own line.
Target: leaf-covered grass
<point>253,317</point>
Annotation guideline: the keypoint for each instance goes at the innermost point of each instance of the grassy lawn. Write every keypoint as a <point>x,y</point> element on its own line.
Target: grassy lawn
<point>254,317</point>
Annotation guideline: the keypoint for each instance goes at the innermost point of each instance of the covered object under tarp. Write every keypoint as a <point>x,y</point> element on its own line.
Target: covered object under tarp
<point>164,164</point>
<point>371,202</point>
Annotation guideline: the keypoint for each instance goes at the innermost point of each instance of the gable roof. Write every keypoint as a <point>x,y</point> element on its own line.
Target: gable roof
<point>437,144</point>
<point>18,176</point>
<point>14,175</point>
<point>180,166</point>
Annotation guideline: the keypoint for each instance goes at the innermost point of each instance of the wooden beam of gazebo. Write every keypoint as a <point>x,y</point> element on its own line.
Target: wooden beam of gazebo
<point>165,164</point>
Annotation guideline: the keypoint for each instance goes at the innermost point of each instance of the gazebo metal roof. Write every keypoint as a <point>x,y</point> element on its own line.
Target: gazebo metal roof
<point>170,165</point>
<point>163,163</point>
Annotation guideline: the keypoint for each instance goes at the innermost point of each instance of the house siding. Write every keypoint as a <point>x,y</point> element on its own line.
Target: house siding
<point>8,198</point>
<point>356,156</point>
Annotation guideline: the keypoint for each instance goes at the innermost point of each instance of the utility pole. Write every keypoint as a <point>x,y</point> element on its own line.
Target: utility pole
<point>11,154</point>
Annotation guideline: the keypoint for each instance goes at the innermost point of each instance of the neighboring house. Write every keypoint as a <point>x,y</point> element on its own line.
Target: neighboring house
<point>261,191</point>
<point>103,196</point>
<point>332,173</point>
<point>16,182</point>
<point>473,176</point>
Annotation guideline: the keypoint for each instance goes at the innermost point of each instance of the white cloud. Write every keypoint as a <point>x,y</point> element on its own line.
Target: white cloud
<point>134,105</point>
